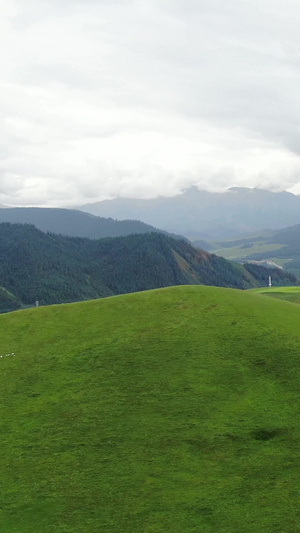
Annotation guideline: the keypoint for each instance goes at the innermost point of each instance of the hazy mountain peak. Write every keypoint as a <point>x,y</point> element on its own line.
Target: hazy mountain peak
<point>199,214</point>
<point>239,189</point>
<point>192,190</point>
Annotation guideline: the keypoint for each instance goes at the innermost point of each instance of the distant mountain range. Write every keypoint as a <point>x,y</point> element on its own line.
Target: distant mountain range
<point>72,222</point>
<point>199,214</point>
<point>55,269</point>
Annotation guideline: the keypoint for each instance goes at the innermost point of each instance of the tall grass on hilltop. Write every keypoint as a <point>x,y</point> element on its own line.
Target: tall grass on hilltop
<point>167,411</point>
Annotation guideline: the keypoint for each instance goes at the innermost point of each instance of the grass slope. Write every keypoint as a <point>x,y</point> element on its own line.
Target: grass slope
<point>289,294</point>
<point>168,411</point>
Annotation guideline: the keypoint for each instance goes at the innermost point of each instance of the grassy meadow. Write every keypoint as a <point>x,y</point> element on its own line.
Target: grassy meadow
<point>168,411</point>
<point>288,294</point>
<point>241,251</point>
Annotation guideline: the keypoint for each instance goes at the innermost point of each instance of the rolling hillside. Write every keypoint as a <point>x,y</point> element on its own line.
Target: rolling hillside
<point>167,411</point>
<point>55,269</point>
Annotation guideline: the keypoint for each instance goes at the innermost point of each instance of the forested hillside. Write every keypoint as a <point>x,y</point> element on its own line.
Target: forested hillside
<point>54,269</point>
<point>8,302</point>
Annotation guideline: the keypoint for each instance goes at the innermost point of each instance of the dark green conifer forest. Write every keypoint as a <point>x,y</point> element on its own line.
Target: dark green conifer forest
<point>55,269</point>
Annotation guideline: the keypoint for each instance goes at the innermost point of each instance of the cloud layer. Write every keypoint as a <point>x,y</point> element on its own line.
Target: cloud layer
<point>102,98</point>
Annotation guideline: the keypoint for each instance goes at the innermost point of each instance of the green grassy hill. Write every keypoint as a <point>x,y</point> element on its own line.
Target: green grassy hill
<point>167,411</point>
<point>289,294</point>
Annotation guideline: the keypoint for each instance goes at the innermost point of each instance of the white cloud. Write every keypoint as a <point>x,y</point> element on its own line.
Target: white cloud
<point>139,98</point>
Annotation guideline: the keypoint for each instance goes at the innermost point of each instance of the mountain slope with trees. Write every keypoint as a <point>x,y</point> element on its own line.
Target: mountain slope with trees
<point>8,302</point>
<point>54,269</point>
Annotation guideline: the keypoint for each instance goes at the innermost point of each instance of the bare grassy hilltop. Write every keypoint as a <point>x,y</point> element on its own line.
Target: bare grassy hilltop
<point>168,411</point>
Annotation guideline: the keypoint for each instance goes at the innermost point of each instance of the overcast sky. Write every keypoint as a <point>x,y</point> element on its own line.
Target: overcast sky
<point>104,98</point>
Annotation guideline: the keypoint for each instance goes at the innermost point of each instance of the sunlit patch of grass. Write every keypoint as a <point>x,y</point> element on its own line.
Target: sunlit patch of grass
<point>288,294</point>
